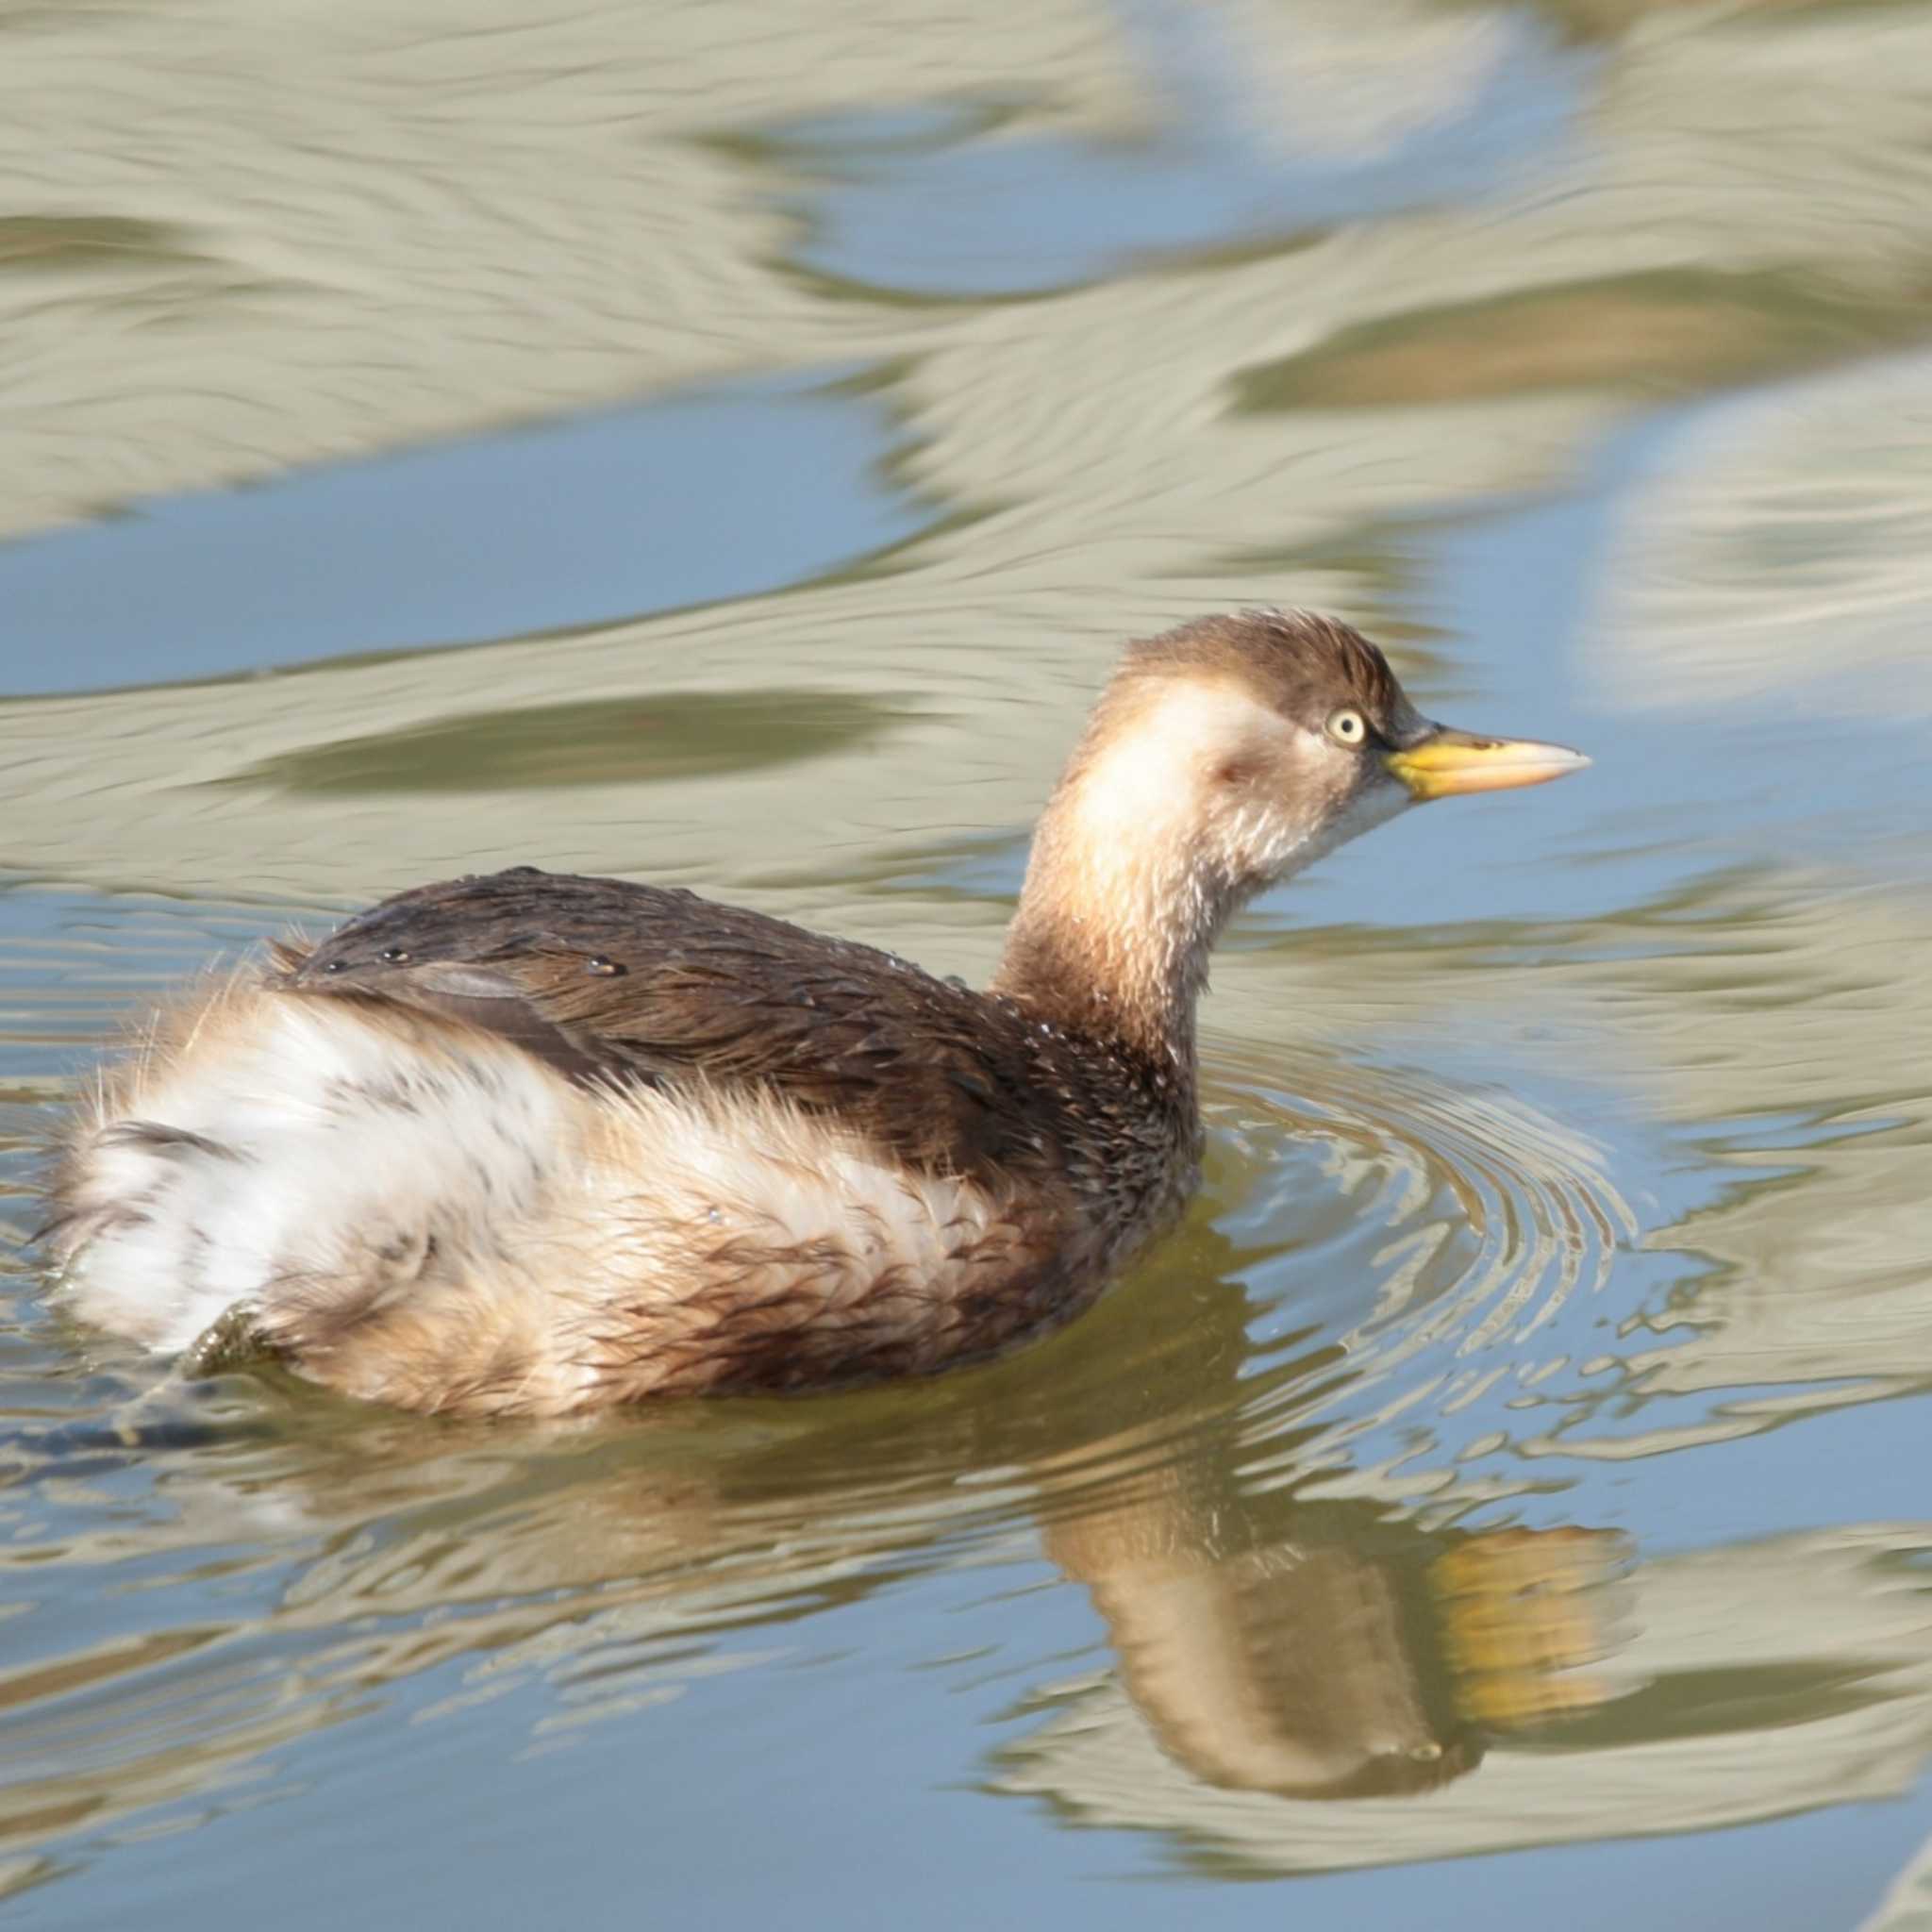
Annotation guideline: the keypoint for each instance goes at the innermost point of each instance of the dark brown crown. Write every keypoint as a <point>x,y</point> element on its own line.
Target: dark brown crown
<point>1295,662</point>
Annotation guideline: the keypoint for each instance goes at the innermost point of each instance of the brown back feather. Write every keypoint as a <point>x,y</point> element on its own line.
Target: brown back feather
<point>607,979</point>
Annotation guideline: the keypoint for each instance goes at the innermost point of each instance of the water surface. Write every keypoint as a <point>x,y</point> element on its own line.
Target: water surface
<point>633,440</point>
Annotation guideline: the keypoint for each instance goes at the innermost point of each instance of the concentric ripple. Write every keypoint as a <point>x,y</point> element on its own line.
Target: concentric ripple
<point>1434,1232</point>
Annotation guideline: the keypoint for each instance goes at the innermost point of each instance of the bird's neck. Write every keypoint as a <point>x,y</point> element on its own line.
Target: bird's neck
<point>1119,912</point>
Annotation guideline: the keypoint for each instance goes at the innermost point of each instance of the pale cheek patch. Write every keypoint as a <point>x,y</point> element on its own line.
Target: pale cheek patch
<point>1156,770</point>
<point>1149,802</point>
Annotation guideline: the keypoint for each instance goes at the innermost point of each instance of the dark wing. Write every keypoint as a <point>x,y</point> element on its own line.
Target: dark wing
<point>609,980</point>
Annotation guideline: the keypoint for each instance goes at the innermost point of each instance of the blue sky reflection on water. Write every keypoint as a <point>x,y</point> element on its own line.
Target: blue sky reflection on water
<point>544,525</point>
<point>950,204</point>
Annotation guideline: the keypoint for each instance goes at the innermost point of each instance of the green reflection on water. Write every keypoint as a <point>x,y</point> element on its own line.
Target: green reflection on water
<point>32,243</point>
<point>614,741</point>
<point>1667,332</point>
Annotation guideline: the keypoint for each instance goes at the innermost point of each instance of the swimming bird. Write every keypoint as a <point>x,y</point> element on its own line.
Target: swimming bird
<point>531,1144</point>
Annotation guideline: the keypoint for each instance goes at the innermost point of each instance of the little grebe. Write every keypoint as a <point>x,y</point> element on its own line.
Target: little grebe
<point>534,1145</point>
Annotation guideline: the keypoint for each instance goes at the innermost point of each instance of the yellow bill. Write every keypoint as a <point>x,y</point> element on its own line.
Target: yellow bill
<point>1447,762</point>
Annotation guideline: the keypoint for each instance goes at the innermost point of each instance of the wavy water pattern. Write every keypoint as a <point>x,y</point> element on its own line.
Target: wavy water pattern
<point>1508,1479</point>
<point>1459,1223</point>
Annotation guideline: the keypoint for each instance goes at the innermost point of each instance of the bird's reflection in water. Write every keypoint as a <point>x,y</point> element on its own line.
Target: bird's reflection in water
<point>1335,1650</point>
<point>1277,1640</point>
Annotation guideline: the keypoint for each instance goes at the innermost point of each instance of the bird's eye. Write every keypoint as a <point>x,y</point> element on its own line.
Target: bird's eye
<point>1348,726</point>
